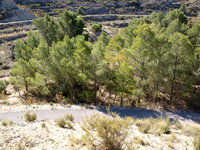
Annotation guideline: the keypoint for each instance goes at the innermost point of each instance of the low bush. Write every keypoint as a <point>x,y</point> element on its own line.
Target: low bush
<point>30,117</point>
<point>96,27</point>
<point>61,122</point>
<point>161,126</point>
<point>69,117</point>
<point>3,85</point>
<point>193,130</point>
<point>79,11</point>
<point>157,126</point>
<point>176,125</point>
<point>6,122</point>
<point>1,17</point>
<point>105,132</point>
<point>51,103</point>
<point>144,125</point>
<point>69,125</point>
<point>120,18</point>
<point>43,125</point>
<point>197,143</point>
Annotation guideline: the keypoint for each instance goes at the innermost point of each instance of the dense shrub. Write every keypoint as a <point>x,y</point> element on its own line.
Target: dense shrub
<point>6,122</point>
<point>161,126</point>
<point>30,117</point>
<point>79,11</point>
<point>120,18</point>
<point>156,126</point>
<point>69,125</point>
<point>43,125</point>
<point>193,130</point>
<point>96,27</point>
<point>61,122</point>
<point>1,17</point>
<point>69,117</point>
<point>144,125</point>
<point>105,132</point>
<point>197,143</point>
<point>3,84</point>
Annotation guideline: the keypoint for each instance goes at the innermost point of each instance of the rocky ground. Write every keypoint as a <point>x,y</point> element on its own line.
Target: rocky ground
<point>32,136</point>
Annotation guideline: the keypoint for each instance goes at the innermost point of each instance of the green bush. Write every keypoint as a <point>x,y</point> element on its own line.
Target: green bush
<point>30,117</point>
<point>43,125</point>
<point>157,126</point>
<point>161,126</point>
<point>3,85</point>
<point>1,17</point>
<point>112,8</point>
<point>105,132</point>
<point>69,125</point>
<point>96,27</point>
<point>193,130</point>
<point>69,117</point>
<point>197,143</point>
<point>144,125</point>
<point>6,122</point>
<point>120,18</point>
<point>79,11</point>
<point>61,122</point>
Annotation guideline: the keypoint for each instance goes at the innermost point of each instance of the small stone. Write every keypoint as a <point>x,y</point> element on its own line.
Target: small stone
<point>68,105</point>
<point>91,107</point>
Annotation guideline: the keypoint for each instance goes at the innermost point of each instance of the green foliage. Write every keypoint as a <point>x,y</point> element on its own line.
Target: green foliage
<point>6,122</point>
<point>192,130</point>
<point>150,57</point>
<point>30,117</point>
<point>96,27</point>
<point>156,17</point>
<point>182,8</point>
<point>71,24</point>
<point>47,28</point>
<point>120,18</point>
<point>1,17</point>
<point>3,85</point>
<point>176,14</point>
<point>68,24</point>
<point>43,125</point>
<point>79,11</point>
<point>157,126</point>
<point>144,125</point>
<point>61,122</point>
<point>161,126</point>
<point>69,125</point>
<point>69,117</point>
<point>105,132</point>
<point>197,143</point>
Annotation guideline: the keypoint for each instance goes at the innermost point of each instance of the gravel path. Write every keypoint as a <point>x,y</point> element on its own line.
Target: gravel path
<point>183,117</point>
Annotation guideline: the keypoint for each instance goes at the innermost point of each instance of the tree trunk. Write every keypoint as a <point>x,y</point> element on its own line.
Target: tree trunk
<point>114,98</point>
<point>173,82</point>
<point>122,97</point>
<point>26,85</point>
<point>138,101</point>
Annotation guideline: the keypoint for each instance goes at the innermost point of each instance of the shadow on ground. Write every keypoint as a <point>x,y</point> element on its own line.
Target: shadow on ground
<point>145,113</point>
